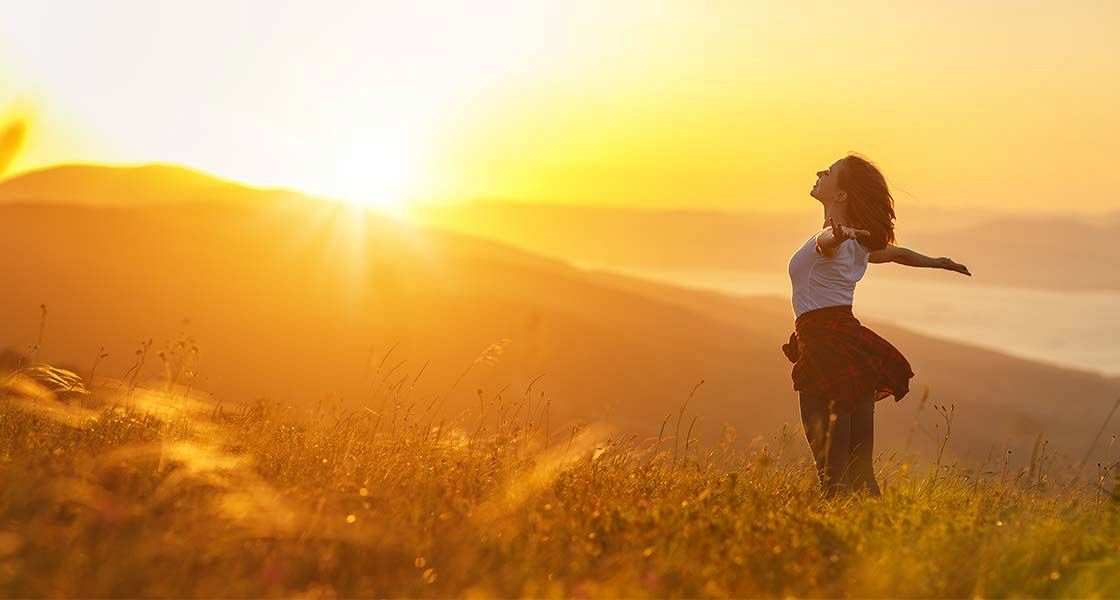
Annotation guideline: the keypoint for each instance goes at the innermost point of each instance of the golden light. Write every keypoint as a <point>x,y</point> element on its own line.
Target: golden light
<point>577,102</point>
<point>341,104</point>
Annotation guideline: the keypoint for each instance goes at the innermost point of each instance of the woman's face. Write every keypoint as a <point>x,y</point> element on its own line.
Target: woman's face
<point>827,189</point>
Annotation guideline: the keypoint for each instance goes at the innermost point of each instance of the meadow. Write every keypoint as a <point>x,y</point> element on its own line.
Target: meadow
<point>122,487</point>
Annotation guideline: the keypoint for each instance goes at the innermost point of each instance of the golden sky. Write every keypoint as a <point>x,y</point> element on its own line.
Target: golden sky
<point>1005,105</point>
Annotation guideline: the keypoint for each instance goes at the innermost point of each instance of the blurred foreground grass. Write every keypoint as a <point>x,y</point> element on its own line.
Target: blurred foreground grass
<point>127,490</point>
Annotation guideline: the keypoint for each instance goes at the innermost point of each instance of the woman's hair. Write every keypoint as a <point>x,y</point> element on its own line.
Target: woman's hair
<point>870,204</point>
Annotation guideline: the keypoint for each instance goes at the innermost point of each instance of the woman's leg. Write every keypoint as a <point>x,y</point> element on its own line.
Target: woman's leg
<point>861,472</point>
<point>829,434</point>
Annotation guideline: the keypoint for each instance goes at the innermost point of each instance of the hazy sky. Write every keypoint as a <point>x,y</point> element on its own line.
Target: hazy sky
<point>1006,105</point>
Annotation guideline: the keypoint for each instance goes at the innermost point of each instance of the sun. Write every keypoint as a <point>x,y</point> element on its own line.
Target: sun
<point>375,177</point>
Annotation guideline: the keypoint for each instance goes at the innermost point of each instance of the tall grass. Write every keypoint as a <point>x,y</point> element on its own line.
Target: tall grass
<point>131,489</point>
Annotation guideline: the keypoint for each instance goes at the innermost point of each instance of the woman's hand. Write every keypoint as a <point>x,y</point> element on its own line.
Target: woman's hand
<point>830,238</point>
<point>947,263</point>
<point>843,232</point>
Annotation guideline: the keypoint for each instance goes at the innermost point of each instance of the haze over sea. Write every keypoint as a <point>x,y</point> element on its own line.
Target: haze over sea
<point>1076,329</point>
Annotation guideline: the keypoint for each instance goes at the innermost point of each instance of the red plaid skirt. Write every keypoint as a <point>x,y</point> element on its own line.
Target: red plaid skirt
<point>835,356</point>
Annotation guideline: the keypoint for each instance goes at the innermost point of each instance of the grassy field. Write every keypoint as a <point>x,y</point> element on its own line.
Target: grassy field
<point>133,490</point>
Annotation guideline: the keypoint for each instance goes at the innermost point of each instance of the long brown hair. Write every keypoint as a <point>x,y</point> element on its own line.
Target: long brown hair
<point>870,204</point>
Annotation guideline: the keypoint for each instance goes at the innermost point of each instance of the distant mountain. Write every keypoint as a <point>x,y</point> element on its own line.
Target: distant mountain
<point>628,236</point>
<point>99,185</point>
<point>1055,253</point>
<point>1029,252</point>
<point>305,301</point>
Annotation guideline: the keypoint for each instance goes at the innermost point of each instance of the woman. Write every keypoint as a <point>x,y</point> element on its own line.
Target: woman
<point>841,368</point>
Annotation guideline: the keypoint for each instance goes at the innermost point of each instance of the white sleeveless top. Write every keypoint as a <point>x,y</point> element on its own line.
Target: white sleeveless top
<point>820,281</point>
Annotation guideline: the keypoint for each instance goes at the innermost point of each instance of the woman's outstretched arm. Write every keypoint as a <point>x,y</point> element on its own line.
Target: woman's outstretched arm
<point>906,256</point>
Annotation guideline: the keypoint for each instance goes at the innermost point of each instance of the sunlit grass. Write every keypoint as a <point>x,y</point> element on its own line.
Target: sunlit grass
<point>151,490</point>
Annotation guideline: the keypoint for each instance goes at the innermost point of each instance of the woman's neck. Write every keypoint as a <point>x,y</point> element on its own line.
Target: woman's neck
<point>838,215</point>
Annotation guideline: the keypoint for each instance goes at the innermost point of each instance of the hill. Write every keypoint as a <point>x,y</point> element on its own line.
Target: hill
<point>303,301</point>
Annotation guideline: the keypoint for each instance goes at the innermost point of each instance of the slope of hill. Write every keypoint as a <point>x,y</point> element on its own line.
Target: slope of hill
<point>105,499</point>
<point>303,301</point>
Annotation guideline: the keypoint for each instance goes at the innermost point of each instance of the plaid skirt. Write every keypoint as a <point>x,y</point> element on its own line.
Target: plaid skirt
<point>837,357</point>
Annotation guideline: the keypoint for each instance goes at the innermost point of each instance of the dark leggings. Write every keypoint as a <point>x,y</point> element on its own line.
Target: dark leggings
<point>842,448</point>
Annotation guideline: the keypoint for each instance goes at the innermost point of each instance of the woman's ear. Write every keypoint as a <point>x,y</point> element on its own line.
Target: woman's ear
<point>841,196</point>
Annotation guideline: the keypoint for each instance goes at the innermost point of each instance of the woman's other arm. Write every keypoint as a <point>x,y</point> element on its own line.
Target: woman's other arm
<point>906,256</point>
